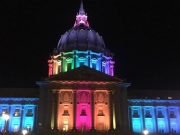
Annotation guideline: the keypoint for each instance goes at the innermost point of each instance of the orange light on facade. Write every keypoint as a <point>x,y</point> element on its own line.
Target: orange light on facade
<point>65,110</point>
<point>101,110</point>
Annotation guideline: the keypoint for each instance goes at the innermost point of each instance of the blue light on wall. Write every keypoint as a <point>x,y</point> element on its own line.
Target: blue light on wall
<point>136,115</point>
<point>174,116</point>
<point>3,108</point>
<point>149,119</point>
<point>28,117</point>
<point>21,112</point>
<point>155,116</point>
<point>15,118</point>
<point>162,120</point>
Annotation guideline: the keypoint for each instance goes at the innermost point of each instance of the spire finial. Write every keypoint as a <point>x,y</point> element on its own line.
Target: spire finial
<point>81,10</point>
<point>81,17</point>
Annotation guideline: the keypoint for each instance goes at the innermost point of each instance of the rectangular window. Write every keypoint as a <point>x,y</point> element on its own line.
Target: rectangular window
<point>29,113</point>
<point>148,114</point>
<point>103,69</point>
<point>135,114</point>
<point>81,63</point>
<point>66,113</point>
<point>4,111</point>
<point>59,68</point>
<point>160,114</point>
<point>16,113</point>
<point>94,65</point>
<point>100,113</point>
<point>172,114</point>
<point>68,66</point>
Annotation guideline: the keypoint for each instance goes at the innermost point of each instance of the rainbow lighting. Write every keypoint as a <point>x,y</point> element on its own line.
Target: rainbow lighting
<point>80,46</point>
<point>93,99</point>
<point>75,110</point>
<point>82,109</point>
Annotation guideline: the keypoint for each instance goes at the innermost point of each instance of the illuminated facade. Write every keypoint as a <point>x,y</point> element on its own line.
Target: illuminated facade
<point>88,97</point>
<point>80,46</point>
<point>81,77</point>
<point>156,114</point>
<point>21,114</point>
<point>81,94</point>
<point>160,116</point>
<point>88,101</point>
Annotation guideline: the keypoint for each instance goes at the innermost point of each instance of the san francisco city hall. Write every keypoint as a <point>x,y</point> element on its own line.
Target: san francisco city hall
<point>82,95</point>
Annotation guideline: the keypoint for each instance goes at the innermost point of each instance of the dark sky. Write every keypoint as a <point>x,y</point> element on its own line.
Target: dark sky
<point>143,35</point>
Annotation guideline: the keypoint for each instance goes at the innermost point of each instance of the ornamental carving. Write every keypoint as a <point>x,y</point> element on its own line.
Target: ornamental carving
<point>101,97</point>
<point>83,97</point>
<point>66,97</point>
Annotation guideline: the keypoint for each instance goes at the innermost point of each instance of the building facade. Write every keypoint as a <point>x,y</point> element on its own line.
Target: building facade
<point>18,109</point>
<point>158,114</point>
<point>81,77</point>
<point>82,95</point>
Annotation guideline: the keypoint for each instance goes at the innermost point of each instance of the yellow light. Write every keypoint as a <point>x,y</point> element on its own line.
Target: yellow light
<point>114,118</point>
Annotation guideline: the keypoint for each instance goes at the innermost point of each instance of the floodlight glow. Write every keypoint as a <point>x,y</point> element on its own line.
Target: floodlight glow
<point>5,116</point>
<point>145,132</point>
<point>24,131</point>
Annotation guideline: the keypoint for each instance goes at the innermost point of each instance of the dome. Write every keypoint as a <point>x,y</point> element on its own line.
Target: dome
<point>81,38</point>
<point>81,46</point>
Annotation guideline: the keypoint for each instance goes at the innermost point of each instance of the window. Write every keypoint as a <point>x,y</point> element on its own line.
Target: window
<point>4,111</point>
<point>172,115</point>
<point>66,113</point>
<point>59,68</point>
<point>83,113</point>
<point>16,113</point>
<point>103,69</point>
<point>160,114</point>
<point>100,113</point>
<point>148,114</point>
<point>111,72</point>
<point>135,114</point>
<point>81,63</point>
<point>29,113</point>
<point>68,66</point>
<point>94,65</point>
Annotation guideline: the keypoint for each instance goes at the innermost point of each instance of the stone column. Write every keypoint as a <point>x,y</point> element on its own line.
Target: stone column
<point>92,105</point>
<point>63,63</point>
<point>168,118</point>
<point>155,118</point>
<point>75,59</point>
<point>111,109</point>
<point>89,59</point>
<point>74,110</point>
<point>56,102</point>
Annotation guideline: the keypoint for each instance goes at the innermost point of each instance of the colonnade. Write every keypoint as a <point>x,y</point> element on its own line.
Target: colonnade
<point>82,110</point>
<point>162,118</point>
<point>18,117</point>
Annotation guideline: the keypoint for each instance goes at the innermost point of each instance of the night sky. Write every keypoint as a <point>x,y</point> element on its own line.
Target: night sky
<point>143,35</point>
